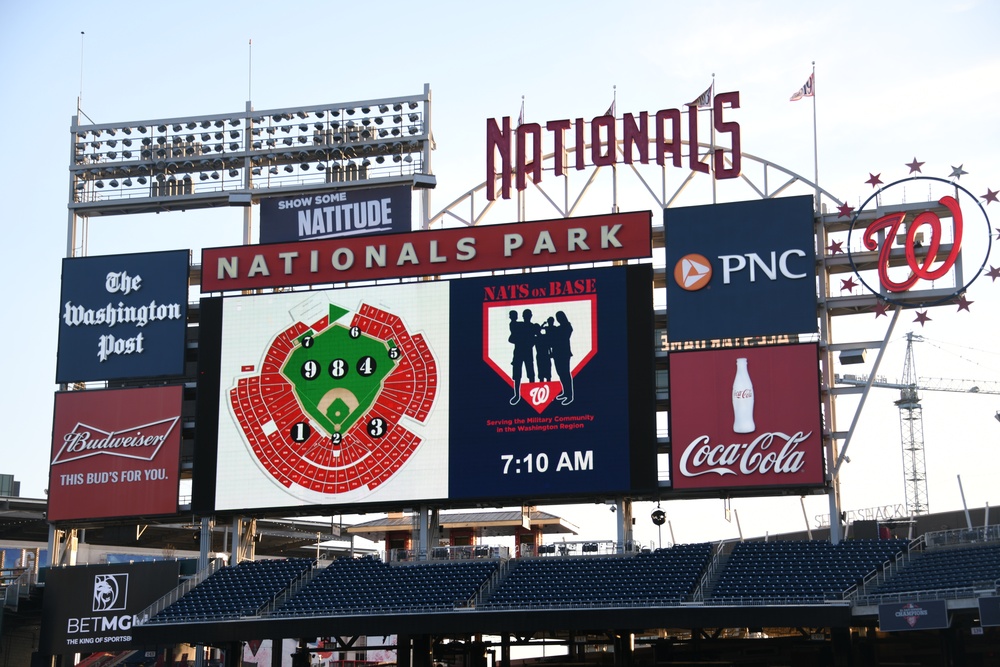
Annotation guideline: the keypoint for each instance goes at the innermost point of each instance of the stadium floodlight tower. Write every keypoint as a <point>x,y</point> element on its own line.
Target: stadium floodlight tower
<point>238,159</point>
<point>234,159</point>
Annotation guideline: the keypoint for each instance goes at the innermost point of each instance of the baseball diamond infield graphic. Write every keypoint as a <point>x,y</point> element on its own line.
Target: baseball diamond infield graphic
<point>334,403</point>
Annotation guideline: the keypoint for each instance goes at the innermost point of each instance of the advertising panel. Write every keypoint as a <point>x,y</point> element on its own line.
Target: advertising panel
<point>91,608</point>
<point>433,252</point>
<point>122,316</point>
<point>408,392</point>
<point>742,418</point>
<point>115,453</point>
<point>740,269</point>
<point>989,611</point>
<point>551,401</point>
<point>923,615</point>
<point>334,396</point>
<point>325,215</point>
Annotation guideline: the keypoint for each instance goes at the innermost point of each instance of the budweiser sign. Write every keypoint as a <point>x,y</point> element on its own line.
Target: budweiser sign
<point>137,442</point>
<point>115,453</point>
<point>746,418</point>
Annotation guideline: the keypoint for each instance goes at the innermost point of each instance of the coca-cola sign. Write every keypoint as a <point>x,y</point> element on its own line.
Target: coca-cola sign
<point>746,418</point>
<point>115,453</point>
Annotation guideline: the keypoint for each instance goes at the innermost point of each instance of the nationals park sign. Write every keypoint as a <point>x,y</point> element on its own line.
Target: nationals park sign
<point>495,247</point>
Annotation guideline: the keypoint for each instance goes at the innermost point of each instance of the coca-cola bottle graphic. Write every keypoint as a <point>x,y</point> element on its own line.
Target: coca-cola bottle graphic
<point>742,399</point>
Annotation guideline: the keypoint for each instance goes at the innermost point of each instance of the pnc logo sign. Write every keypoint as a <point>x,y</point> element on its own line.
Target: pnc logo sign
<point>693,272</point>
<point>741,269</point>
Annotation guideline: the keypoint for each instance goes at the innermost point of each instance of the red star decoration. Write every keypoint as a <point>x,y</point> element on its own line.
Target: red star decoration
<point>990,196</point>
<point>915,166</point>
<point>873,179</point>
<point>963,303</point>
<point>880,309</point>
<point>836,247</point>
<point>848,284</point>
<point>922,318</point>
<point>993,273</point>
<point>845,211</point>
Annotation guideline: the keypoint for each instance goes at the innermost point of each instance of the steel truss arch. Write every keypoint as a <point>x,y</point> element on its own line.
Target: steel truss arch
<point>472,207</point>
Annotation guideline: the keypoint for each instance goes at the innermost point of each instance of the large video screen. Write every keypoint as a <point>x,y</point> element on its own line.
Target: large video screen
<point>527,386</point>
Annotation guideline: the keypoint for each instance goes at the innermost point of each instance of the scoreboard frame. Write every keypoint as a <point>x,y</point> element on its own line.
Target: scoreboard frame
<point>470,442</point>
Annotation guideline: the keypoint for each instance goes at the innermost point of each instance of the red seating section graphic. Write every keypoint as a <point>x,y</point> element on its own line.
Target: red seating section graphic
<point>267,410</point>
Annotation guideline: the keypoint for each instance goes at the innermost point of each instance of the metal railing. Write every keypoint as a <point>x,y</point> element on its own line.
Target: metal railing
<point>711,572</point>
<point>147,614</point>
<point>441,554</point>
<point>928,542</point>
<point>284,596</point>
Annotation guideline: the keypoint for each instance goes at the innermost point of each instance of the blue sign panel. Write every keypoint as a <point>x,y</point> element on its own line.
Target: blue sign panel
<point>545,375</point>
<point>740,269</point>
<point>923,615</point>
<point>337,213</point>
<point>122,316</point>
<point>989,611</point>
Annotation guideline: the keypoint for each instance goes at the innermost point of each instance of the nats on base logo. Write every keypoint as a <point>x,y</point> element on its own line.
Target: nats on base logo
<point>537,346</point>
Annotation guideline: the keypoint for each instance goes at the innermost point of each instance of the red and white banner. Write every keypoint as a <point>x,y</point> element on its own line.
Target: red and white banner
<point>434,252</point>
<point>746,417</point>
<point>115,453</point>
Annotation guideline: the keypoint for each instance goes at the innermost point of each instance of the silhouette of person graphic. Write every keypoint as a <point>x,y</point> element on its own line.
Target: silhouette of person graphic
<point>558,337</point>
<point>543,351</point>
<point>522,335</point>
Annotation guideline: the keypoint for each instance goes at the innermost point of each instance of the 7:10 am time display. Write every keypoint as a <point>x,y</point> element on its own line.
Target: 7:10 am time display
<point>530,463</point>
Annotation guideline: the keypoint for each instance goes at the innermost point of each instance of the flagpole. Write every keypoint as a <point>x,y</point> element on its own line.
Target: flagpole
<point>815,142</point>
<point>520,193</point>
<point>711,140</point>
<point>614,153</point>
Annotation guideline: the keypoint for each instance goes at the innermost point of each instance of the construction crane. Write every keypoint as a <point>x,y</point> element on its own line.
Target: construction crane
<point>911,418</point>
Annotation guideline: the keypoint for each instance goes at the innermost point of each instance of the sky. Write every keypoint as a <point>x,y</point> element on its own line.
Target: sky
<point>895,82</point>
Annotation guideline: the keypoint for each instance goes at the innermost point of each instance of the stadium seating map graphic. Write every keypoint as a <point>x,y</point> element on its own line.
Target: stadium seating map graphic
<point>336,402</point>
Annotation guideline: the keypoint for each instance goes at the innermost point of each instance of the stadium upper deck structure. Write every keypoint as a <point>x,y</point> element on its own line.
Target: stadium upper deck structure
<point>787,600</point>
<point>677,600</point>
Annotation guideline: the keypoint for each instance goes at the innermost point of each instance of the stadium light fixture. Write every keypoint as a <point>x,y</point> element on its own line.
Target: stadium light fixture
<point>318,139</point>
<point>856,356</point>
